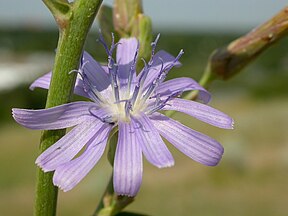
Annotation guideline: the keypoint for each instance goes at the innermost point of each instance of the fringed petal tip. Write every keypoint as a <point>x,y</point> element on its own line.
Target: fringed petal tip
<point>15,112</point>
<point>63,184</point>
<point>232,124</point>
<point>45,170</point>
<point>60,186</point>
<point>14,115</point>
<point>229,124</point>
<point>17,115</point>
<point>126,194</point>
<point>20,115</point>
<point>128,164</point>
<point>168,165</point>
<point>40,164</point>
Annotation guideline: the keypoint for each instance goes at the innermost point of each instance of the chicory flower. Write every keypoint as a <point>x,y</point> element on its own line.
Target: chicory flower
<point>121,98</point>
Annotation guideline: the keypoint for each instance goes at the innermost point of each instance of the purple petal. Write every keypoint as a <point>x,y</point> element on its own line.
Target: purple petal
<point>44,82</point>
<point>71,173</point>
<point>63,116</point>
<point>128,165</point>
<point>195,145</point>
<point>95,73</point>
<point>125,56</point>
<point>68,146</point>
<point>154,71</point>
<point>151,143</point>
<point>201,111</point>
<point>105,68</point>
<point>182,84</point>
<point>79,88</point>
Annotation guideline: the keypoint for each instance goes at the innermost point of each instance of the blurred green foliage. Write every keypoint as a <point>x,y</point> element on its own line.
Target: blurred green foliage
<point>28,40</point>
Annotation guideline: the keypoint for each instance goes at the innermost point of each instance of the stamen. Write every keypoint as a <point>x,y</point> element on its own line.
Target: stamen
<point>154,84</point>
<point>133,67</point>
<point>160,104</point>
<point>109,52</point>
<point>148,66</point>
<point>135,94</point>
<point>139,84</point>
<point>106,119</point>
<point>102,41</point>
<point>153,45</point>
<point>158,99</point>
<point>128,107</point>
<point>146,69</point>
<point>88,86</point>
<point>112,66</point>
<point>144,73</point>
<point>168,67</point>
<point>162,75</point>
<point>115,83</point>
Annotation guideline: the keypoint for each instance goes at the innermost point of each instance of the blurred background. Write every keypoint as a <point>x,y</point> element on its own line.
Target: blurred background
<point>252,177</point>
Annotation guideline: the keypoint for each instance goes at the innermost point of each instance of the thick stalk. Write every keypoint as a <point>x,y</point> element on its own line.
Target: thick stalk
<point>74,21</point>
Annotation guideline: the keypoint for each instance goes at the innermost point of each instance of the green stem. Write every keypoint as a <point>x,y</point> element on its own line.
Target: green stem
<point>111,204</point>
<point>205,81</point>
<point>74,21</point>
<point>107,197</point>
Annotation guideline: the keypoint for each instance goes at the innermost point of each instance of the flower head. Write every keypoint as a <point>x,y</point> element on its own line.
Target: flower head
<point>121,98</point>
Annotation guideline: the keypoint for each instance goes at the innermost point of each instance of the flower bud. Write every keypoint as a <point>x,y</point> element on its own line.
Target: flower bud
<point>124,14</point>
<point>226,62</point>
<point>142,29</point>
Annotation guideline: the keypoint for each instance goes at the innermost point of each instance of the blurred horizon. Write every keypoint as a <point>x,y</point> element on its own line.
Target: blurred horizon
<point>230,16</point>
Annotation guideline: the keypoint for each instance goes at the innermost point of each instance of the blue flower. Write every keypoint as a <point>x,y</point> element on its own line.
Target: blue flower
<point>121,98</point>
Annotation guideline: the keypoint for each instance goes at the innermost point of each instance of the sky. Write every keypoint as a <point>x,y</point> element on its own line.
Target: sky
<point>184,15</point>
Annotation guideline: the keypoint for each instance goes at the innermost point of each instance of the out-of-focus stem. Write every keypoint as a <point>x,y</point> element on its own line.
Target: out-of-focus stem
<point>111,204</point>
<point>107,197</point>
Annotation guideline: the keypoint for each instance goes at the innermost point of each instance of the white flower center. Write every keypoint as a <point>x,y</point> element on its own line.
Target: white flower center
<point>122,109</point>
